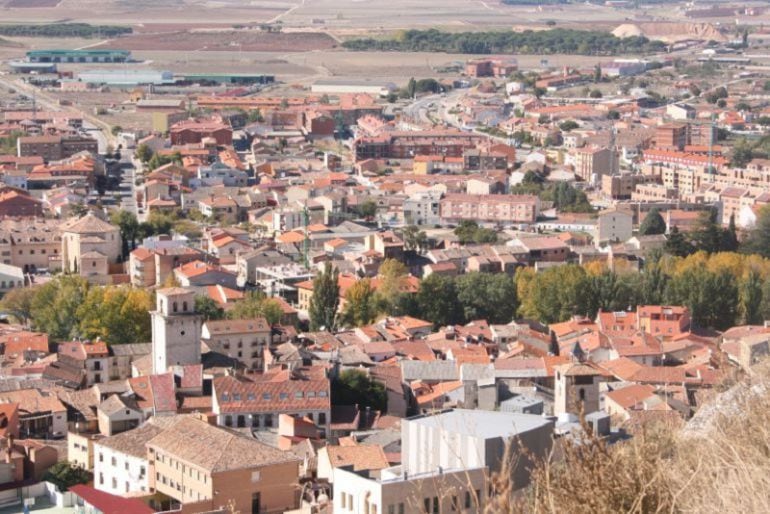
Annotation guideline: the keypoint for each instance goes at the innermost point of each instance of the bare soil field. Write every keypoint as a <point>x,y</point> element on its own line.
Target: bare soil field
<point>26,4</point>
<point>241,40</point>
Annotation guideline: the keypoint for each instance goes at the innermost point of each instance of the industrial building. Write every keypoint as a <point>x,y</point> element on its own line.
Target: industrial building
<point>126,77</point>
<point>22,66</point>
<point>243,79</point>
<point>79,56</point>
<point>342,86</point>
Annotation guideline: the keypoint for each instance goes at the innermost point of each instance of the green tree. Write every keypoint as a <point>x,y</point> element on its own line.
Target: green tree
<point>707,235</point>
<point>653,223</point>
<point>255,116</point>
<point>751,298</point>
<point>742,153</point>
<point>730,236</point>
<point>355,387</point>
<point>677,244</point>
<point>208,308</point>
<point>325,300</point>
<point>64,475</point>
<point>367,209</point>
<point>414,238</point>
<point>54,307</point>
<point>18,303</point>
<point>129,230</point>
<point>115,130</point>
<point>256,304</point>
<point>143,153</point>
<point>568,125</point>
<point>360,304</point>
<point>411,87</point>
<point>555,294</point>
<point>437,301</point>
<point>596,94</point>
<point>711,297</point>
<point>487,296</point>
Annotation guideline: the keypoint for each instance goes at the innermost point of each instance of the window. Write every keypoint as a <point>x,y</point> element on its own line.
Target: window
<point>236,397</point>
<point>101,478</point>
<point>298,395</point>
<point>310,394</point>
<point>114,483</point>
<point>225,397</point>
<point>582,393</point>
<point>435,505</point>
<point>455,503</point>
<point>426,503</point>
<point>228,421</point>
<point>114,461</point>
<point>255,476</point>
<point>101,457</point>
<point>467,499</point>
<point>284,396</point>
<point>266,396</point>
<point>391,509</point>
<point>268,420</point>
<point>322,394</point>
<point>126,466</point>
<point>321,418</point>
<point>250,397</point>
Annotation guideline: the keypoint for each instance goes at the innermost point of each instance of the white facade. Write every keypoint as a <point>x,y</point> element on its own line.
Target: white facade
<point>116,472</point>
<point>176,330</point>
<point>461,490</point>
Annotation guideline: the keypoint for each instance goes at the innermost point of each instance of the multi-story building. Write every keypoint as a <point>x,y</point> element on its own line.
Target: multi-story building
<point>498,67</point>
<point>490,208</point>
<point>407,145</point>
<point>591,163</point>
<point>54,148</point>
<point>194,462</point>
<point>242,339</point>
<point>257,401</point>
<point>672,136</point>
<point>29,244</point>
<point>151,267</point>
<point>89,246</point>
<point>194,131</point>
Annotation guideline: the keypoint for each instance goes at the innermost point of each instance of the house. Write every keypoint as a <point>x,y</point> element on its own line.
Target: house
<point>458,438</point>
<point>393,490</point>
<point>89,246</point>
<point>613,225</point>
<point>257,401</point>
<point>221,467</point>
<point>245,339</point>
<point>362,457</point>
<point>41,414</point>
<point>198,273</point>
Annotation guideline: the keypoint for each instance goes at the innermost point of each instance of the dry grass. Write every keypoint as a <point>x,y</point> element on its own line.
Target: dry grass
<point>723,466</point>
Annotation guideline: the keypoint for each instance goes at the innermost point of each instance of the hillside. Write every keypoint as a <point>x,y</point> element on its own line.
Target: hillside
<point>670,32</point>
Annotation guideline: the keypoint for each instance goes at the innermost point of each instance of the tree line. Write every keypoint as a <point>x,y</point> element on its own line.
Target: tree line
<point>553,41</point>
<point>83,30</point>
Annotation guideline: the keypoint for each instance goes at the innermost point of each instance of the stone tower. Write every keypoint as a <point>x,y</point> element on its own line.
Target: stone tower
<point>176,330</point>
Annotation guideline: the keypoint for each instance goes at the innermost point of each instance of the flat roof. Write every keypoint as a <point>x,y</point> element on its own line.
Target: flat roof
<point>78,52</point>
<point>482,424</point>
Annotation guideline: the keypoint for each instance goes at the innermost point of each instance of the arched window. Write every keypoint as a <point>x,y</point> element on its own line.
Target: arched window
<point>175,307</point>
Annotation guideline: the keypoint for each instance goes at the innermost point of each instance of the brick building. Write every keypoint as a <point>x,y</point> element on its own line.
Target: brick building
<point>490,208</point>
<point>54,148</point>
<point>194,131</point>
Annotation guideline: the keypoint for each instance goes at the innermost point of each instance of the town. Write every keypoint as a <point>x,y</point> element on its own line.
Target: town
<point>315,263</point>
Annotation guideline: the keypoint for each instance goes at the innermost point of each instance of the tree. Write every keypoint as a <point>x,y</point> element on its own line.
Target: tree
<point>437,301</point>
<point>115,130</point>
<point>694,90</point>
<point>414,238</point>
<point>751,298</point>
<point>597,73</point>
<point>707,234</point>
<point>758,238</point>
<point>568,125</point>
<point>256,304</point>
<point>129,230</point>
<point>393,275</point>
<point>711,297</point>
<point>64,475</point>
<point>360,304</point>
<point>411,88</point>
<point>325,300</point>
<point>255,116</point>
<point>54,307</point>
<point>730,237</point>
<point>208,308</point>
<point>355,387</point>
<point>487,296</point>
<point>367,209</point>
<point>18,303</point>
<point>678,245</point>
<point>595,94</point>
<point>143,153</point>
<point>555,294</point>
<point>116,314</point>
<point>653,223</point>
